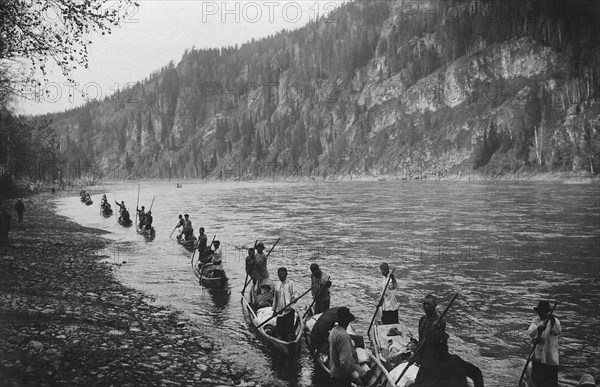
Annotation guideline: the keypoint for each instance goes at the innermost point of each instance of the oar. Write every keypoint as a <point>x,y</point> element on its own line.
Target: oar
<point>380,301</point>
<point>316,296</point>
<point>535,345</point>
<point>246,280</point>
<point>271,247</point>
<point>151,204</point>
<point>411,360</point>
<point>174,230</point>
<point>136,205</point>
<point>285,307</point>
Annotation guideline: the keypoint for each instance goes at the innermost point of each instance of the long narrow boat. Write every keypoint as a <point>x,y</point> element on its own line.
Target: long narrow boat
<point>376,374</point>
<point>125,223</point>
<point>207,278</point>
<point>189,245</point>
<point>146,233</point>
<point>256,317</point>
<point>528,381</point>
<point>389,344</point>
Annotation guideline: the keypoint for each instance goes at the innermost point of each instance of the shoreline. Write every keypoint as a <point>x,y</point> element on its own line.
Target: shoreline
<point>66,319</point>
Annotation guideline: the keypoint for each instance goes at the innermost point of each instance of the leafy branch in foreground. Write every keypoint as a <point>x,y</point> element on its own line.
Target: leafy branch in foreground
<point>33,32</point>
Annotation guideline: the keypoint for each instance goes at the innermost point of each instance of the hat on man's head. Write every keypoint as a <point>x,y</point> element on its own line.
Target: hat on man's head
<point>260,245</point>
<point>344,315</point>
<point>542,306</point>
<point>314,266</point>
<point>587,380</point>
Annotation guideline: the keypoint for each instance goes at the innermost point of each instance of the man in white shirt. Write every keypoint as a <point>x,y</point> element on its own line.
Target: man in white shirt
<point>544,330</point>
<point>389,308</point>
<point>284,296</point>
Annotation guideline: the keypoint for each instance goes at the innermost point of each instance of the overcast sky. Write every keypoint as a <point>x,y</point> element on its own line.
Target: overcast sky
<point>159,31</point>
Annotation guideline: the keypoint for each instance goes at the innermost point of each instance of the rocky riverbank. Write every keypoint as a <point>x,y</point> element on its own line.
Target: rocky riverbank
<point>66,320</point>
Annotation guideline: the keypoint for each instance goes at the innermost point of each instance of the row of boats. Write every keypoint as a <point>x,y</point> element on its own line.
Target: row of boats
<point>379,370</point>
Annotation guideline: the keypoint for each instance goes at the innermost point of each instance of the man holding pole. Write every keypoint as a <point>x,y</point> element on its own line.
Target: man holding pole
<point>544,330</point>
<point>284,296</point>
<point>389,308</point>
<point>320,288</point>
<point>261,270</point>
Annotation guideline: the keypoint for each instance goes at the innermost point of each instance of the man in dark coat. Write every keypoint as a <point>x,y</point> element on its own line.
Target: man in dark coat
<point>20,208</point>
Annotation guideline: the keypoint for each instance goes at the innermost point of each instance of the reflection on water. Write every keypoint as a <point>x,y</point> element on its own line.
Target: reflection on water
<point>501,246</point>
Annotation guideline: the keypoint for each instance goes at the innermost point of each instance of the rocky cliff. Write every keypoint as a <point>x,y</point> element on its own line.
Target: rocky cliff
<point>411,89</point>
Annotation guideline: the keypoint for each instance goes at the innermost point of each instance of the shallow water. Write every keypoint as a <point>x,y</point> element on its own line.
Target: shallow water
<point>502,246</point>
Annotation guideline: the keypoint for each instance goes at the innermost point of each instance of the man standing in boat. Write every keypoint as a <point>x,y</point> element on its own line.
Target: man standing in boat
<point>179,224</point>
<point>202,240</point>
<point>544,368</point>
<point>343,360</point>
<point>141,215</point>
<point>428,322</point>
<point>284,296</point>
<point>261,270</point>
<point>389,308</point>
<point>217,260</point>
<point>188,231</point>
<point>251,270</point>
<point>148,220</point>
<point>320,288</point>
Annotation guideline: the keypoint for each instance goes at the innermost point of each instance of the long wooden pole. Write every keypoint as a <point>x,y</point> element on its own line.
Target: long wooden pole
<point>411,360</point>
<point>533,349</point>
<point>151,204</point>
<point>380,301</point>
<point>136,205</point>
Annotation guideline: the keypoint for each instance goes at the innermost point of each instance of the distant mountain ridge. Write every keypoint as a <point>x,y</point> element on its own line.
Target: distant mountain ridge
<point>412,89</point>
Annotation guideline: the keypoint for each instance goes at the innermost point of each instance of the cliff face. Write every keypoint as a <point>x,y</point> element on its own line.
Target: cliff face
<point>399,88</point>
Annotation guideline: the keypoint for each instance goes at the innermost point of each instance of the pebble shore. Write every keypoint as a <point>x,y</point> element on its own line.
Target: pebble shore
<point>66,321</point>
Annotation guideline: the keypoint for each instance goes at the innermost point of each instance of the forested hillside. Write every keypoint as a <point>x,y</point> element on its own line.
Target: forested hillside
<point>411,89</point>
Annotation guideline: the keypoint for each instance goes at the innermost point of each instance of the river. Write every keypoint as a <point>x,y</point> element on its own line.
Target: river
<point>503,246</point>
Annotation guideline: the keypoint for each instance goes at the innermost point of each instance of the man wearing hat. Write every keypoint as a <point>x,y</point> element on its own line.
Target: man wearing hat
<point>439,368</point>
<point>544,330</point>
<point>343,360</point>
<point>587,380</point>
<point>261,270</point>
<point>320,284</point>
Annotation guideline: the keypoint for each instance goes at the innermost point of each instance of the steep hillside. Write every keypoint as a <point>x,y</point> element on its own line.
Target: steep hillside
<point>412,89</point>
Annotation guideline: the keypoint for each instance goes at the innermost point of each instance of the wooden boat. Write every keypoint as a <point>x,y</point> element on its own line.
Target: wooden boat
<point>106,211</point>
<point>144,232</point>
<point>256,317</point>
<point>528,381</point>
<point>207,278</point>
<point>389,344</point>
<point>189,244</point>
<point>376,375</point>
<point>125,223</point>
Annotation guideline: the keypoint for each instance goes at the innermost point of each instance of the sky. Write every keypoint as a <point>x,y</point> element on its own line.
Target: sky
<point>159,31</point>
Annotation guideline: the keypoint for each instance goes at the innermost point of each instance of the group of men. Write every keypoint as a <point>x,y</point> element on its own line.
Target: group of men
<point>123,213</point>
<point>281,296</point>
<point>145,218</point>
<point>187,231</point>
<point>437,367</point>
<point>105,205</point>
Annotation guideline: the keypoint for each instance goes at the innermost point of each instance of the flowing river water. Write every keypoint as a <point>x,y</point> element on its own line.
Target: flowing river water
<point>503,246</point>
